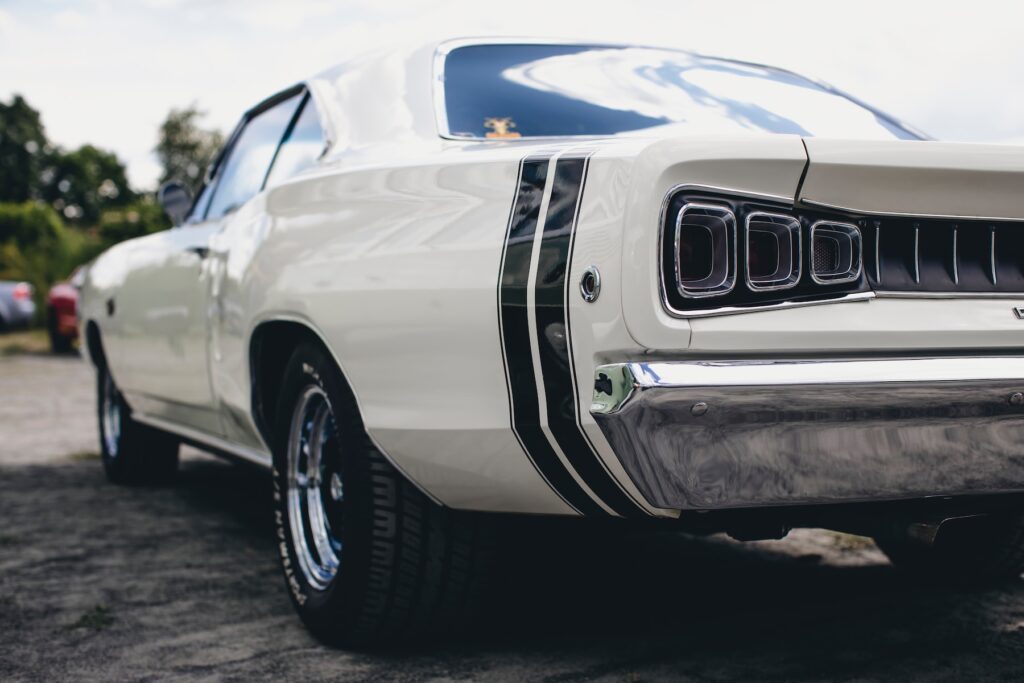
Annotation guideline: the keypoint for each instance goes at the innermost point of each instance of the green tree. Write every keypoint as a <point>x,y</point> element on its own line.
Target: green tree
<point>185,149</point>
<point>35,247</point>
<point>23,148</point>
<point>82,183</point>
<point>140,218</point>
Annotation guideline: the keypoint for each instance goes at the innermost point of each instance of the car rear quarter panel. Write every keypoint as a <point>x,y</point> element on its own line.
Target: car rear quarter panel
<point>396,268</point>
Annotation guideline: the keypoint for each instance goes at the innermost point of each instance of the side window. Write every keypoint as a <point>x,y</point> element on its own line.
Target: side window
<point>246,167</point>
<point>201,203</point>
<point>302,145</point>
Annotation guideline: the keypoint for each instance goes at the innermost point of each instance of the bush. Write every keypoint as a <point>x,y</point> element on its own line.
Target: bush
<point>134,220</point>
<point>35,247</point>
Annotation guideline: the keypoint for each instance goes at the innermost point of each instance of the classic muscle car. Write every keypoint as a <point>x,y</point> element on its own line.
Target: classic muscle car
<point>605,281</point>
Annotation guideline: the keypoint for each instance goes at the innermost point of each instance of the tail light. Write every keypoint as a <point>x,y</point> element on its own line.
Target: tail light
<point>773,251</point>
<point>22,291</point>
<point>835,252</point>
<point>705,250</point>
<point>724,253</point>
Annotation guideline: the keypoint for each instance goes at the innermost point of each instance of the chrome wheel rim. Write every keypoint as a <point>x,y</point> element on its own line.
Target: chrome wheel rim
<point>110,417</point>
<point>315,493</point>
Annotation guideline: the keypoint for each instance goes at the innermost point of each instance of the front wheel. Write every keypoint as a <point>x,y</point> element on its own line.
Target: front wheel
<point>132,453</point>
<point>368,559</point>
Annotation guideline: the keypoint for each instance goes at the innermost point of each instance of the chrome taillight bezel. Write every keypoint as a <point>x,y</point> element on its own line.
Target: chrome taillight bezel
<point>728,233</point>
<point>742,297</point>
<point>851,232</point>
<point>795,236</point>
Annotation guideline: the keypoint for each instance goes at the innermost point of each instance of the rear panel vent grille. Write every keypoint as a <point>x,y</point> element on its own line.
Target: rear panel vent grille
<point>907,255</point>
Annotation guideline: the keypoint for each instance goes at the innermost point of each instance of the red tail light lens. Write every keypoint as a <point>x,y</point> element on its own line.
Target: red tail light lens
<point>22,291</point>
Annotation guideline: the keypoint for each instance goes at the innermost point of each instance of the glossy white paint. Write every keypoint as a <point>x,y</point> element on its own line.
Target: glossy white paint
<point>916,178</point>
<point>389,251</point>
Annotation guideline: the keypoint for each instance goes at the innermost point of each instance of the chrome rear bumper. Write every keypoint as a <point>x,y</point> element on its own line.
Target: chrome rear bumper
<point>712,435</point>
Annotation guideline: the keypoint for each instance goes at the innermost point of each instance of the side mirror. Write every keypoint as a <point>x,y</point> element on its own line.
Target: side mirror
<point>176,201</point>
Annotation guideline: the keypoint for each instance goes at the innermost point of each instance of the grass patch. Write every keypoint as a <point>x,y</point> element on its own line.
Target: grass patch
<point>95,619</point>
<point>85,455</point>
<point>24,341</point>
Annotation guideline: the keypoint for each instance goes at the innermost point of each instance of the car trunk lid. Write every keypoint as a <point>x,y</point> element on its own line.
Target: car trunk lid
<point>915,178</point>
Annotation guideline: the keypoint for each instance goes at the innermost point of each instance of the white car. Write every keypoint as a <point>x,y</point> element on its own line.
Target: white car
<point>570,279</point>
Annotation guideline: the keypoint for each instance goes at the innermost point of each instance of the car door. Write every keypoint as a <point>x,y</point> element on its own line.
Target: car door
<point>165,301</point>
<point>232,291</point>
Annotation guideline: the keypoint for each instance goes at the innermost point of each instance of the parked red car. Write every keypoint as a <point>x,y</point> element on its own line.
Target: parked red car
<point>62,312</point>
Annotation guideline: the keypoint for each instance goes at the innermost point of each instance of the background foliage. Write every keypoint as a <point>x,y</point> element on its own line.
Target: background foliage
<point>60,208</point>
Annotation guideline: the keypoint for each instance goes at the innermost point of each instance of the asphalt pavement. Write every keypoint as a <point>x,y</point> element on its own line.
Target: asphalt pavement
<point>105,583</point>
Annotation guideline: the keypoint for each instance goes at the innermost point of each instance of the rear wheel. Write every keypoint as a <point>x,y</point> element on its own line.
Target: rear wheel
<point>132,453</point>
<point>980,549</point>
<point>368,559</point>
<point>59,343</point>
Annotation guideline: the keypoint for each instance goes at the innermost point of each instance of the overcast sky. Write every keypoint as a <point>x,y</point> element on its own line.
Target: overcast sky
<point>107,71</point>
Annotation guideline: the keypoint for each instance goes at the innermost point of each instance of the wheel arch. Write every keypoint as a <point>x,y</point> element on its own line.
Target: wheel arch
<point>94,345</point>
<point>270,346</point>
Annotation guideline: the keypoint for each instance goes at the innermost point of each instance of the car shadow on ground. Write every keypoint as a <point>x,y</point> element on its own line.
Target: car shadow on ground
<point>660,599</point>
<point>184,580</point>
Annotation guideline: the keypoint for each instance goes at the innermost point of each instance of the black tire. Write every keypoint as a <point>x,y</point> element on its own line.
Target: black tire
<point>406,567</point>
<point>58,342</point>
<point>970,550</point>
<point>132,453</point>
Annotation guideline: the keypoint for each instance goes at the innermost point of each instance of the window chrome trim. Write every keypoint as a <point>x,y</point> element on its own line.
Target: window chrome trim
<point>799,252</point>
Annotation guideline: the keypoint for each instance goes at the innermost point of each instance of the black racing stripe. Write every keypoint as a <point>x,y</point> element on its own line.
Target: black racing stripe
<point>553,338</point>
<point>515,332</point>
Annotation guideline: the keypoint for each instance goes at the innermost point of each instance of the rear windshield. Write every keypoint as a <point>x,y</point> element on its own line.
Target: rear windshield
<point>508,91</point>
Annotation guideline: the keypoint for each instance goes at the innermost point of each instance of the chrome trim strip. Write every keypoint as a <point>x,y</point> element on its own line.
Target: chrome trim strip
<point>956,259</point>
<point>896,214</point>
<point>992,257</point>
<point>778,373</point>
<point>243,452</point>
<point>883,294</point>
<point>878,252</point>
<point>917,254</point>
<point>733,310</point>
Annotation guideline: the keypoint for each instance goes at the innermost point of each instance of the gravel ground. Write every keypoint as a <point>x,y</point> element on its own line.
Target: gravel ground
<point>105,583</point>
